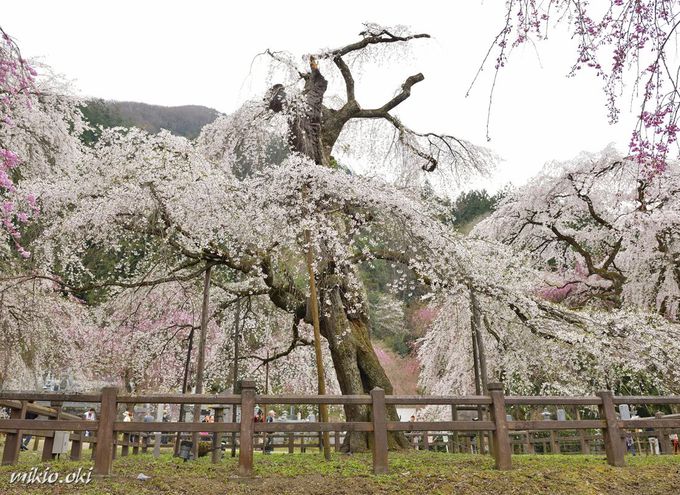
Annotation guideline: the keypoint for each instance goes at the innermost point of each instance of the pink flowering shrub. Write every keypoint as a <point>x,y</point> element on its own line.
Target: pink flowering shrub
<point>17,80</point>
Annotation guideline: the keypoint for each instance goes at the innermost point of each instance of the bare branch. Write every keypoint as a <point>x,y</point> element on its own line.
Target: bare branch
<point>347,76</point>
<point>383,36</point>
<point>403,95</point>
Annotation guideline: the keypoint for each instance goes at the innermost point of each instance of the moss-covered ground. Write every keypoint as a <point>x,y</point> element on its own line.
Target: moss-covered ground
<point>410,472</point>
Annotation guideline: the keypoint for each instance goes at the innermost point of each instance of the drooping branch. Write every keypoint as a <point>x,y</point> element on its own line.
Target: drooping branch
<point>89,287</point>
<point>583,195</point>
<point>296,341</point>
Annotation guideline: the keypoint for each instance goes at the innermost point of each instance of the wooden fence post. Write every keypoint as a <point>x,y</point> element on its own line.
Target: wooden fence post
<point>105,435</point>
<point>336,441</point>
<point>611,433</point>
<point>291,443</point>
<point>47,454</point>
<point>245,453</point>
<point>379,431</point>
<point>10,454</point>
<point>501,438</point>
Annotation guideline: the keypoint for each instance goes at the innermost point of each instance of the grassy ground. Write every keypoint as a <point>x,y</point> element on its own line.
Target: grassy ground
<point>410,472</point>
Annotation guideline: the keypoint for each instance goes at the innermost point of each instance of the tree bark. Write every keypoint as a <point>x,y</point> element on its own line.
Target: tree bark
<point>313,132</point>
<point>356,365</point>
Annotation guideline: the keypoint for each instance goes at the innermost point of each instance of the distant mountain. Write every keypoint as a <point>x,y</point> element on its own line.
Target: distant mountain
<point>186,120</point>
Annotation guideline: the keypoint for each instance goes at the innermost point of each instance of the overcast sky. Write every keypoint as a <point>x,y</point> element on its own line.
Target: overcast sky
<point>200,52</point>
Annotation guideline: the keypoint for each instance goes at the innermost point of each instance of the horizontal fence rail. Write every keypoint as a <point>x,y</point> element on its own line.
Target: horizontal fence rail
<point>608,431</point>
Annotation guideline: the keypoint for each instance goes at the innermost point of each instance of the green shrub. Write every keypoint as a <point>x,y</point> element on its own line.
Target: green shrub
<point>204,448</point>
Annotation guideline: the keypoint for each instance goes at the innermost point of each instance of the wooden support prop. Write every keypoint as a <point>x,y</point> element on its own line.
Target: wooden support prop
<point>200,364</point>
<point>217,437</point>
<point>10,454</point>
<point>314,307</point>
<point>611,433</point>
<point>554,442</point>
<point>663,436</point>
<point>125,449</point>
<point>105,435</point>
<point>454,434</point>
<point>501,439</point>
<point>527,442</point>
<point>77,446</point>
<point>245,453</point>
<point>137,437</point>
<point>585,447</point>
<point>379,431</point>
<point>48,444</point>
<point>158,435</point>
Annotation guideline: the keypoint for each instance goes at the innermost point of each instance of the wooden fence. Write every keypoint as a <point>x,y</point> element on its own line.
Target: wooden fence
<point>503,433</point>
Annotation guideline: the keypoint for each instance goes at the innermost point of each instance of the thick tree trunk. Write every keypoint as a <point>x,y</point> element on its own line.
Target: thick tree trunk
<point>356,366</point>
<point>313,132</point>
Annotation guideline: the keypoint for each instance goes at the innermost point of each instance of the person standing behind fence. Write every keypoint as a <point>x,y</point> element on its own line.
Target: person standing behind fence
<point>127,418</point>
<point>676,443</point>
<point>654,446</point>
<point>90,415</point>
<point>148,418</point>
<point>27,438</point>
<point>166,419</point>
<point>269,447</point>
<point>415,439</point>
<point>630,445</point>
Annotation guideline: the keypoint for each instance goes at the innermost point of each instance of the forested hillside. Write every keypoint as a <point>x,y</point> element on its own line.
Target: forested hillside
<point>185,120</point>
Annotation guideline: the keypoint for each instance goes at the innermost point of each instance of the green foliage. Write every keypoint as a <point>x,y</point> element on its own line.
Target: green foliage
<point>101,113</point>
<point>472,206</point>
